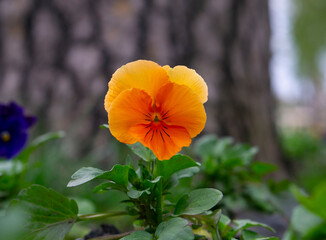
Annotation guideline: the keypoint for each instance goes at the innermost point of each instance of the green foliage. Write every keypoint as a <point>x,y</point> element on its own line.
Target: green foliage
<point>146,185</point>
<point>175,228</point>
<point>12,173</point>
<point>308,220</point>
<point>47,214</point>
<point>229,230</point>
<point>231,168</point>
<point>142,152</point>
<point>306,155</point>
<point>198,201</point>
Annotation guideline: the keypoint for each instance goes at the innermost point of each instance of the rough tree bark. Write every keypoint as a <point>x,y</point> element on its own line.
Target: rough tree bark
<point>56,57</point>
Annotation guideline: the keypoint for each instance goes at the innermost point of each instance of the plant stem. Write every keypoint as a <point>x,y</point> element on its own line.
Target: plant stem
<point>100,216</point>
<point>159,202</point>
<point>112,237</point>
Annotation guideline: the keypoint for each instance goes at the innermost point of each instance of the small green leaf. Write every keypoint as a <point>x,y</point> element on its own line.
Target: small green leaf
<point>315,202</point>
<point>151,183</point>
<point>204,146</point>
<point>262,168</point>
<point>138,235</point>
<point>223,222</point>
<point>133,193</point>
<point>84,175</point>
<point>142,152</point>
<point>175,228</point>
<point>244,224</point>
<point>38,142</point>
<point>198,201</point>
<point>177,163</point>
<point>188,172</point>
<point>250,235</point>
<point>105,126</point>
<point>50,214</point>
<point>118,174</point>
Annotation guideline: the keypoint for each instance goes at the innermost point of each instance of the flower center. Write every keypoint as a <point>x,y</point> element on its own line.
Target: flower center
<point>156,119</point>
<point>5,136</point>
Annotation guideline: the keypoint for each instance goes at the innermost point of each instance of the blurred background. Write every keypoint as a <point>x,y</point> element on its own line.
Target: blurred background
<point>264,63</point>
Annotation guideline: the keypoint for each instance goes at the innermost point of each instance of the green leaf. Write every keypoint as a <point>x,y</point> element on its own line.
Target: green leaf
<point>303,220</point>
<point>84,175</point>
<point>118,174</point>
<point>188,172</point>
<point>50,215</point>
<point>198,201</point>
<point>133,193</point>
<point>315,202</point>
<point>105,126</point>
<point>204,146</point>
<point>138,235</point>
<point>38,142</point>
<point>142,152</point>
<point>250,235</point>
<point>151,183</point>
<point>177,163</point>
<point>175,228</point>
<point>262,168</point>
<point>244,224</point>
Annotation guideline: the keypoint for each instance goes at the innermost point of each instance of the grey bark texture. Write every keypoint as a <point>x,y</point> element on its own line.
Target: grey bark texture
<point>56,57</point>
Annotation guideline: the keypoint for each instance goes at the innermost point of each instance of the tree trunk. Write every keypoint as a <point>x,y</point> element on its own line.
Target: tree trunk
<point>245,104</point>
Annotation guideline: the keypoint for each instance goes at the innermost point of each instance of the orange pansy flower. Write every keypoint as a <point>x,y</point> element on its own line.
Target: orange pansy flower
<point>161,107</point>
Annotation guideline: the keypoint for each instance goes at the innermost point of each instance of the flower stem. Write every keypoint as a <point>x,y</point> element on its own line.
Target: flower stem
<point>100,216</point>
<point>159,202</point>
<point>112,237</point>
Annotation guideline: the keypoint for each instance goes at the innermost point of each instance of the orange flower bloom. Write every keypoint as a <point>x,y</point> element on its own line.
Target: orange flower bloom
<point>161,107</point>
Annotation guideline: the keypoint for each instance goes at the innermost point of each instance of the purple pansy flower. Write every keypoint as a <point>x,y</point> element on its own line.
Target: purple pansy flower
<point>13,129</point>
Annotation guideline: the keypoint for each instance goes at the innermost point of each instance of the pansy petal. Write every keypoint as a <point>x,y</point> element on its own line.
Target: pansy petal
<point>141,74</point>
<point>181,107</point>
<point>189,77</point>
<point>165,141</point>
<point>129,109</point>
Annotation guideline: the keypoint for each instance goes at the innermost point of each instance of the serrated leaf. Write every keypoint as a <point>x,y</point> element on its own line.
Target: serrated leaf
<point>84,175</point>
<point>138,235</point>
<point>198,201</point>
<point>244,224</point>
<point>175,228</point>
<point>142,152</point>
<point>177,163</point>
<point>50,214</point>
